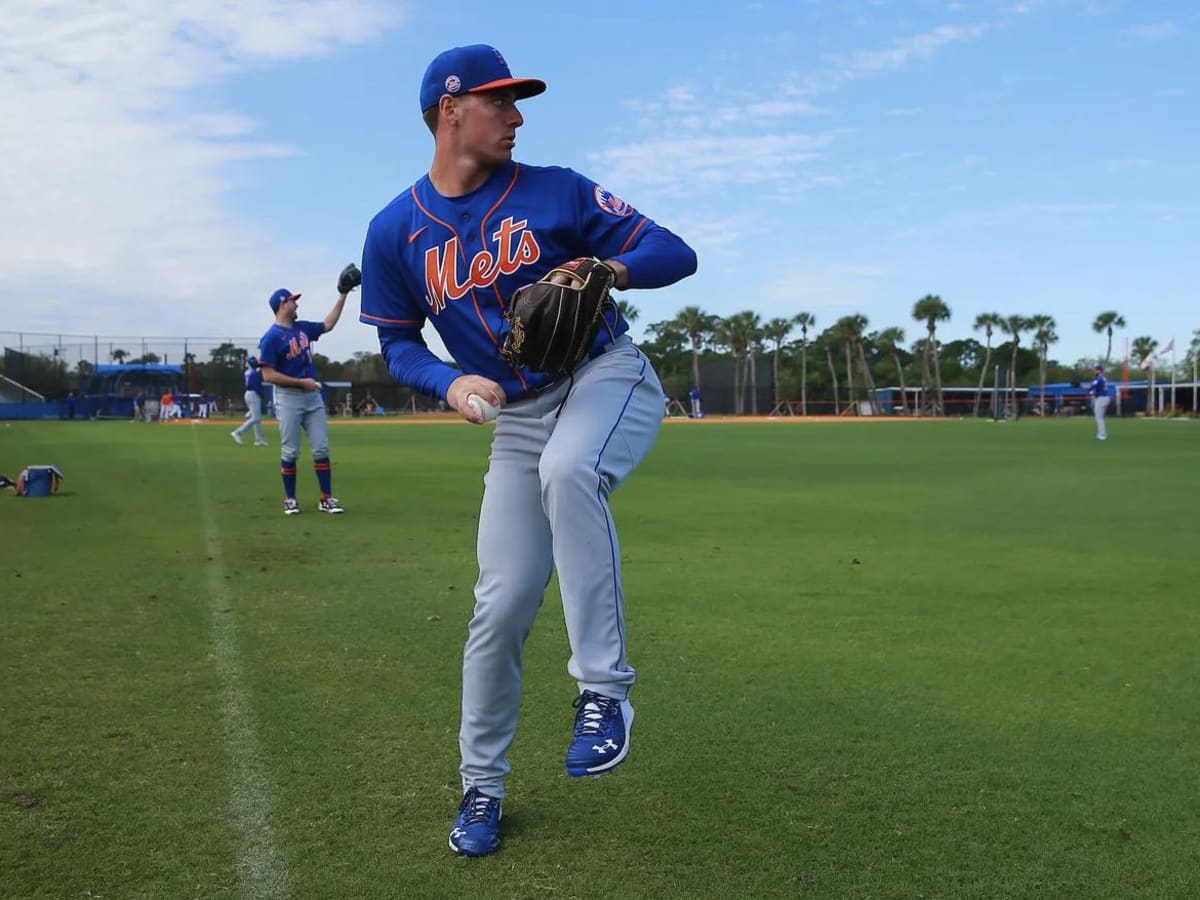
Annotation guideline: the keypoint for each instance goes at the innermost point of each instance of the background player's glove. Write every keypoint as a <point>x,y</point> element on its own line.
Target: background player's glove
<point>349,279</point>
<point>551,326</point>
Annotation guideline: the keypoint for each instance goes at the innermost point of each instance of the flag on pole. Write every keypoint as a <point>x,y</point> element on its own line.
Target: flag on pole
<point>1147,362</point>
<point>1167,349</point>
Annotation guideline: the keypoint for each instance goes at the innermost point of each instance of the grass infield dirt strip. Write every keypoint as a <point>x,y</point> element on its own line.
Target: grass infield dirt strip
<point>878,662</point>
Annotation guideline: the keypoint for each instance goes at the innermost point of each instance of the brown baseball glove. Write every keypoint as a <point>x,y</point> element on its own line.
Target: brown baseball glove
<point>551,326</point>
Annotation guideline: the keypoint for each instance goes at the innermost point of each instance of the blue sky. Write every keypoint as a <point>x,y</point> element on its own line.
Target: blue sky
<point>168,165</point>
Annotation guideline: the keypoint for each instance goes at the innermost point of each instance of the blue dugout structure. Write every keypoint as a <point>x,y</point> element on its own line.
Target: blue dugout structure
<point>110,389</point>
<point>108,392</point>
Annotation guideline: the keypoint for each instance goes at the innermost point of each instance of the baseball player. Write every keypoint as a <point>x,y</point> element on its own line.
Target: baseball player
<point>694,397</point>
<point>452,249</point>
<point>1100,400</point>
<point>285,360</point>
<point>253,381</point>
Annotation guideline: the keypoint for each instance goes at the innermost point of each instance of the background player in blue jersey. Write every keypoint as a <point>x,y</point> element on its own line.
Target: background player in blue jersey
<point>285,360</point>
<point>1100,400</point>
<point>452,249</point>
<point>252,380</point>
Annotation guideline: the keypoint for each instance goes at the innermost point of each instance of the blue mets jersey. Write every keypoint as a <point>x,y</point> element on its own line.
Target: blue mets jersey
<point>252,379</point>
<point>1099,387</point>
<point>289,350</point>
<point>456,262</point>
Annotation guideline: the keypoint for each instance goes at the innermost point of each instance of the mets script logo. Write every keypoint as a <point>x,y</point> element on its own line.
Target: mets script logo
<point>297,345</point>
<point>514,244</point>
<point>612,204</point>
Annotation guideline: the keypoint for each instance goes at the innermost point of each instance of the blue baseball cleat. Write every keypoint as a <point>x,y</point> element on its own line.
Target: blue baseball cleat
<point>602,727</point>
<point>476,830</point>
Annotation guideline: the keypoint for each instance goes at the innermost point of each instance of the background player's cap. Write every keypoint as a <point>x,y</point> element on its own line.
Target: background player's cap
<point>470,69</point>
<point>1098,367</point>
<point>278,297</point>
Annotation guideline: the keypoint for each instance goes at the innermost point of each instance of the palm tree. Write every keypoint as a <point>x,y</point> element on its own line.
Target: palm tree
<point>721,338</point>
<point>931,309</point>
<point>1194,353</point>
<point>804,321</point>
<point>850,329</point>
<point>738,334</point>
<point>1144,349</point>
<point>841,333</point>
<point>629,311</point>
<point>776,331</point>
<point>699,326</point>
<point>749,329</point>
<point>889,341</point>
<point>987,323</point>
<point>118,356</point>
<point>1044,335</point>
<point>1013,326</point>
<point>867,378</point>
<point>1105,322</point>
<point>829,338</point>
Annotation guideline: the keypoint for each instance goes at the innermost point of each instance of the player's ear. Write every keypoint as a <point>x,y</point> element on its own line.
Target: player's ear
<point>448,110</point>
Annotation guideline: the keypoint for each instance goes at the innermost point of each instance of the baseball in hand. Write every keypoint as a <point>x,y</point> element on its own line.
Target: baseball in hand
<point>482,408</point>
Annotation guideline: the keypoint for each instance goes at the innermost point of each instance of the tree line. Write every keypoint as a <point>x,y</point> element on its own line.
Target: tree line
<point>845,361</point>
<point>839,365</point>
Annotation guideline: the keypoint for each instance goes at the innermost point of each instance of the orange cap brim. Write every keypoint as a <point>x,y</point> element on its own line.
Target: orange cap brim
<point>525,87</point>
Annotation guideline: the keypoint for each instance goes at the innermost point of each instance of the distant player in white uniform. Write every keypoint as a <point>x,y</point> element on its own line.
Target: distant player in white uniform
<point>1100,400</point>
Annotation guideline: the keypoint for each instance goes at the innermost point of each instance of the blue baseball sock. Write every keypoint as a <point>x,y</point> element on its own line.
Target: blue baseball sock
<point>287,468</point>
<point>324,476</point>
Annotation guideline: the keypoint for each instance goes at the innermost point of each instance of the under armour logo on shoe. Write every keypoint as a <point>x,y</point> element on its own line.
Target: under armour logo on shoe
<point>457,833</point>
<point>605,747</point>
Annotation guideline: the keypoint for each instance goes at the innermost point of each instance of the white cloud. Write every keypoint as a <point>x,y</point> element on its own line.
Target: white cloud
<point>904,52</point>
<point>710,157</point>
<point>829,292</point>
<point>1126,166</point>
<point>680,167</point>
<point>116,175</point>
<point>1156,31</point>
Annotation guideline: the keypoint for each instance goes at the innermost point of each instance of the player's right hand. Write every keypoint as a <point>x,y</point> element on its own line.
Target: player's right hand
<point>464,386</point>
<point>310,384</point>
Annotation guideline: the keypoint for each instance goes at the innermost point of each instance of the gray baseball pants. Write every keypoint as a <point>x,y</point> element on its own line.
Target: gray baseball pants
<point>254,406</point>
<point>299,411</point>
<point>545,507</point>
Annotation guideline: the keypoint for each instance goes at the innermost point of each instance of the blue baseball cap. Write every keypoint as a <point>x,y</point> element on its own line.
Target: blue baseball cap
<point>278,297</point>
<point>1098,367</point>
<point>469,70</point>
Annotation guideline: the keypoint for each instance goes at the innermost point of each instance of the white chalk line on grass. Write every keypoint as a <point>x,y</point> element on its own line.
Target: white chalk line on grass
<point>262,870</point>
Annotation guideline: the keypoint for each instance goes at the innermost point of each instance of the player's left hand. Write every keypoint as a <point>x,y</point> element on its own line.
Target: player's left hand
<point>348,279</point>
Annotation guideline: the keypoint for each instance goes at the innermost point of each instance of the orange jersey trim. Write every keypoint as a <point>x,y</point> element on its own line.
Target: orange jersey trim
<point>416,323</point>
<point>634,234</point>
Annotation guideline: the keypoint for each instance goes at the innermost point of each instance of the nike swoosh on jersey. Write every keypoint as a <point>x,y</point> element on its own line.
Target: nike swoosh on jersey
<point>416,234</point>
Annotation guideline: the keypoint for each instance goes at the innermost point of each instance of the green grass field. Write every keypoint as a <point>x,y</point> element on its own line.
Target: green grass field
<point>909,660</point>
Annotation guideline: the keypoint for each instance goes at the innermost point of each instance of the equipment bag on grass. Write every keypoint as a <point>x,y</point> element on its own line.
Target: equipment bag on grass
<point>39,481</point>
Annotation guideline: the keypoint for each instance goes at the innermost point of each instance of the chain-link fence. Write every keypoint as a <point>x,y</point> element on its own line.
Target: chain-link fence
<point>52,367</point>
<point>55,364</point>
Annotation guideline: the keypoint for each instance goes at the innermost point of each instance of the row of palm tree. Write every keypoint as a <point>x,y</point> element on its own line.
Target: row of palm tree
<point>745,336</point>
